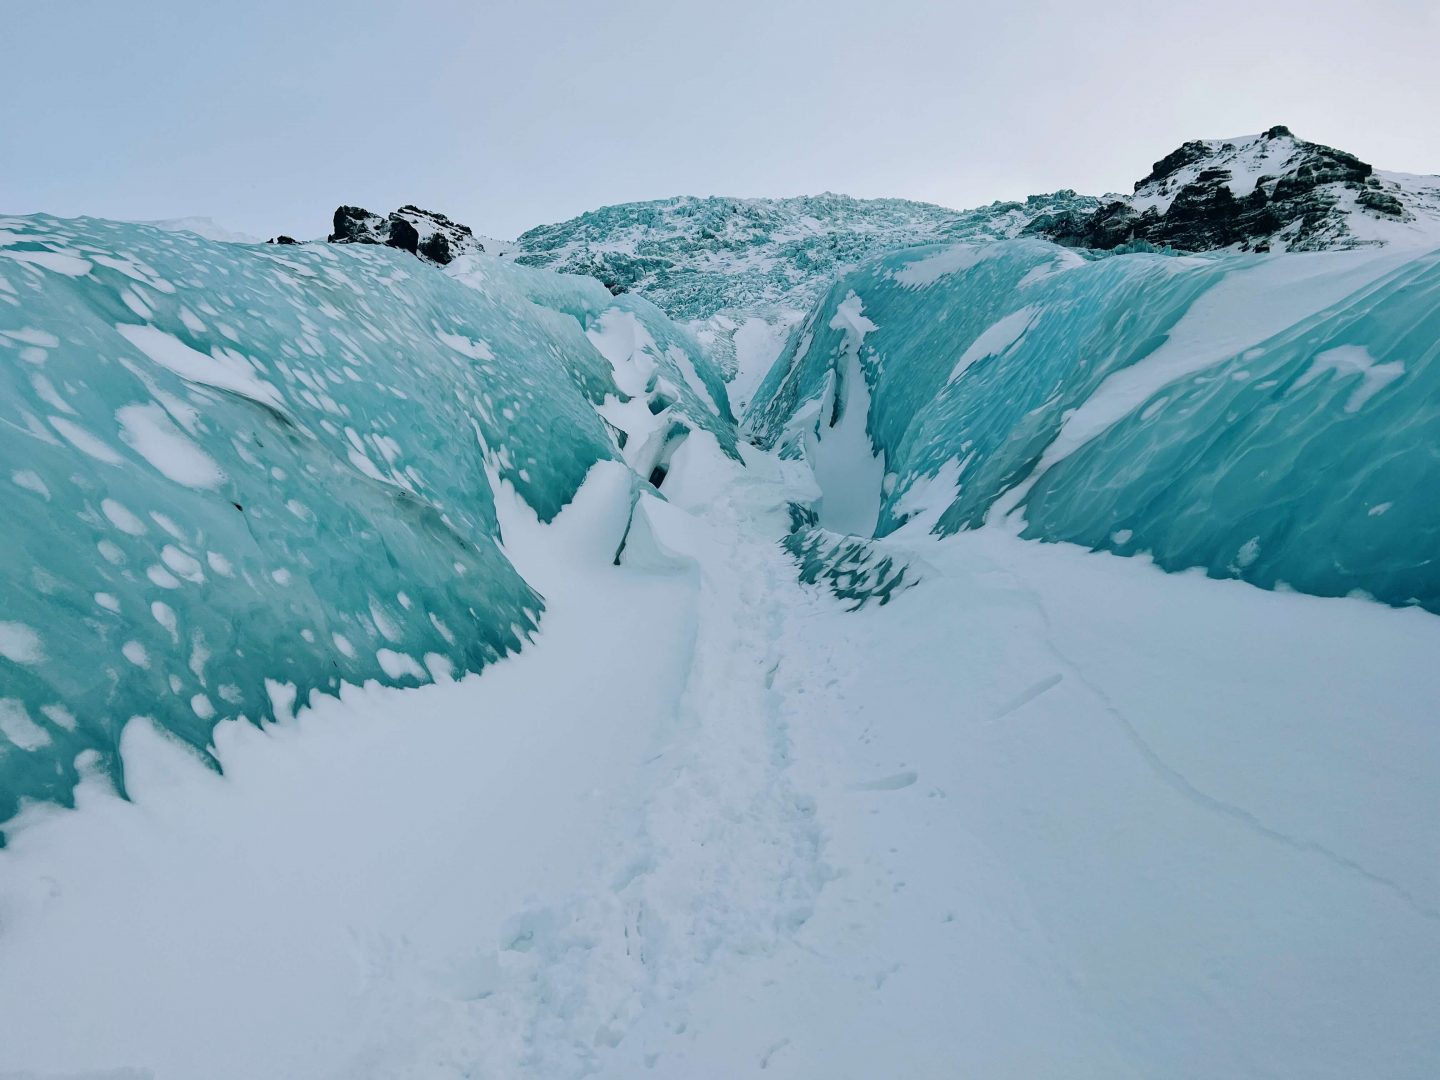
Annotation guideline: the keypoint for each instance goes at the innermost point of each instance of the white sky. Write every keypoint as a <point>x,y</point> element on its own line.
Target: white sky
<point>266,114</point>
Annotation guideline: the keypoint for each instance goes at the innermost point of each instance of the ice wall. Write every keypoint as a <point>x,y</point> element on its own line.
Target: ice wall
<point>230,467</point>
<point>1271,418</point>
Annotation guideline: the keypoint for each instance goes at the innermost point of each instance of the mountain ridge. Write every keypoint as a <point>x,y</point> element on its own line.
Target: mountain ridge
<point>716,260</point>
<point>1271,191</point>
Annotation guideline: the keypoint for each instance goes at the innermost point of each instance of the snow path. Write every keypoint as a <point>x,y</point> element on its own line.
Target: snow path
<point>1047,814</point>
<point>720,854</point>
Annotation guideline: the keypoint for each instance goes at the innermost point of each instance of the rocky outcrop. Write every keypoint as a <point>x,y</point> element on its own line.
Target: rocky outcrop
<point>425,234</point>
<point>1255,193</point>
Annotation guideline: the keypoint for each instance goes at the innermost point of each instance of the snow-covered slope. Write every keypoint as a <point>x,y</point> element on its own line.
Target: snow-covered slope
<point>1047,813</point>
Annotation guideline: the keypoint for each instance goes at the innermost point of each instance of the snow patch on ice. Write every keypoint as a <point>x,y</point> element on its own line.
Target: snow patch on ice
<point>20,643</point>
<point>996,339</point>
<point>148,431</point>
<point>223,369</point>
<point>928,270</point>
<point>1346,360</point>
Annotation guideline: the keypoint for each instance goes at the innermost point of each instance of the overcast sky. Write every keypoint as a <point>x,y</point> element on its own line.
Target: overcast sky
<point>265,114</point>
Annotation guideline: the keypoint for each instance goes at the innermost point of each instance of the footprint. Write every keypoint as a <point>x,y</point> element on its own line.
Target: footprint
<point>1026,696</point>
<point>888,783</point>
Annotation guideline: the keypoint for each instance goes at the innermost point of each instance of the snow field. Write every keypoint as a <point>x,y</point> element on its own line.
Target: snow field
<point>1049,813</point>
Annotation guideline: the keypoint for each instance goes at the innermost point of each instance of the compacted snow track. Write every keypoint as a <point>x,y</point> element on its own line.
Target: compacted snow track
<point>718,854</point>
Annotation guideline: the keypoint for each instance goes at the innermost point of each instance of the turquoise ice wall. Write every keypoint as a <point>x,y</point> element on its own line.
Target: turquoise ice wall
<point>225,465</point>
<point>1306,459</point>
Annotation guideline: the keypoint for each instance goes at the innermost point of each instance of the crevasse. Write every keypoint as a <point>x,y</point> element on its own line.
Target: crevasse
<point>240,473</point>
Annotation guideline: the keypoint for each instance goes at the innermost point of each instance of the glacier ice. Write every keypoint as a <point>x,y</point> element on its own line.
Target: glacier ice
<point>713,821</point>
<point>1260,417</point>
<point>233,467</point>
<point>700,257</point>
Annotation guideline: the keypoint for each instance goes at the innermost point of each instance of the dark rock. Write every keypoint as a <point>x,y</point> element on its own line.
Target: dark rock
<point>1111,225</point>
<point>431,237</point>
<point>1202,212</point>
<point>438,218</point>
<point>403,235</point>
<point>1380,202</point>
<point>282,239</point>
<point>1188,154</point>
<point>436,248</point>
<point>355,225</point>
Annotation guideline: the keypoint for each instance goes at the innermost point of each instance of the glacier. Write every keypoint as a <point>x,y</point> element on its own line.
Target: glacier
<point>822,637</point>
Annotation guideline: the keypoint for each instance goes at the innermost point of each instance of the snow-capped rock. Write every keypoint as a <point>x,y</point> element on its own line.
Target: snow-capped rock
<point>426,234</point>
<point>1264,192</point>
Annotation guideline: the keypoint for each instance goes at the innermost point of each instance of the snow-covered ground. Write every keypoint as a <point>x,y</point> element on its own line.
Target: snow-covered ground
<point>1049,813</point>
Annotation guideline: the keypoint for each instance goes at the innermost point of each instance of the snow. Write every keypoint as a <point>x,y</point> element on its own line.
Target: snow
<point>758,343</point>
<point>1345,360</point>
<point>931,268</point>
<point>994,341</point>
<point>1037,812</point>
<point>692,379</point>
<point>1247,157</point>
<point>397,665</point>
<point>31,336</point>
<point>119,516</point>
<point>224,370</point>
<point>86,442</point>
<point>20,643</point>
<point>711,824</point>
<point>30,481</point>
<point>846,466</point>
<point>499,788</point>
<point>149,432</point>
<point>17,726</point>
<point>58,262</point>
